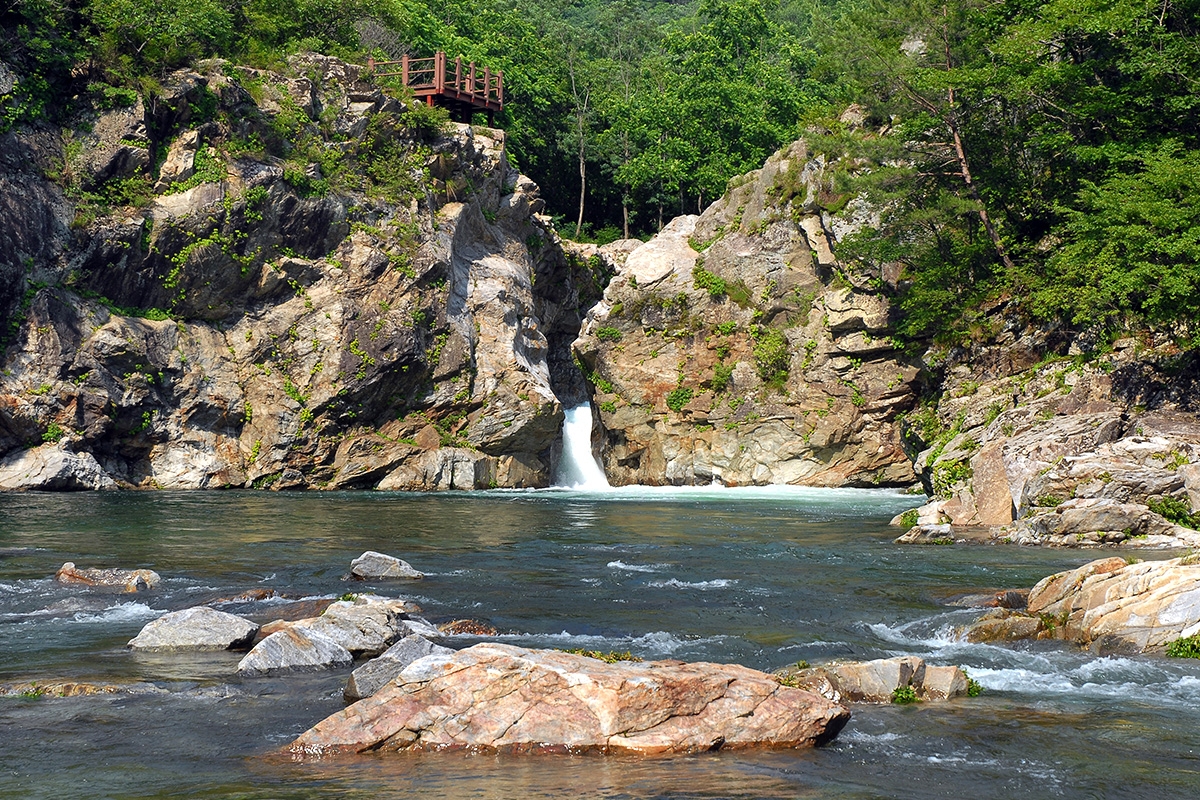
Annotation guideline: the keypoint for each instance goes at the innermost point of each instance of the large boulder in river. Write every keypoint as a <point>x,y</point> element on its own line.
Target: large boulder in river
<point>128,580</point>
<point>293,650</point>
<point>55,468</point>
<point>366,625</point>
<point>372,565</point>
<point>497,697</point>
<point>376,673</point>
<point>199,628</point>
<point>1108,605</point>
<point>877,681</point>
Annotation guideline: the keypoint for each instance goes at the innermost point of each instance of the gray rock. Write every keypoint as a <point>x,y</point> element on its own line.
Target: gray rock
<point>372,566</point>
<point>199,628</point>
<point>55,468</point>
<point>373,675</point>
<point>293,650</point>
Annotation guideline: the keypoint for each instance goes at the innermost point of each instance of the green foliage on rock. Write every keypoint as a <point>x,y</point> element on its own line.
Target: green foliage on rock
<point>771,356</point>
<point>1186,647</point>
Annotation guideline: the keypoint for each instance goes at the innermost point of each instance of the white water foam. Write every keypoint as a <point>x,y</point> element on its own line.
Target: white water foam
<point>654,644</point>
<point>672,583</point>
<point>623,567</point>
<point>121,612</point>
<point>579,468</point>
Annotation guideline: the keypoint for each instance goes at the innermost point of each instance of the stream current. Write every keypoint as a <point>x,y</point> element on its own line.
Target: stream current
<point>762,577</point>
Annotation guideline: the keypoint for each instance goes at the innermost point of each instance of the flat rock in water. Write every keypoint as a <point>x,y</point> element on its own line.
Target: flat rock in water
<point>374,566</point>
<point>39,689</point>
<point>293,650</point>
<point>129,580</point>
<point>368,624</point>
<point>876,681</point>
<point>373,675</point>
<point>199,628</point>
<point>498,697</point>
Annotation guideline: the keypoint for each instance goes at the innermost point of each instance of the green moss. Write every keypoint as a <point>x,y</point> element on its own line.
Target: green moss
<point>1187,647</point>
<point>610,657</point>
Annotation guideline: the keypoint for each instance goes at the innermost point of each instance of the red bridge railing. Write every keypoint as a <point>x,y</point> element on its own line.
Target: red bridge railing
<point>462,86</point>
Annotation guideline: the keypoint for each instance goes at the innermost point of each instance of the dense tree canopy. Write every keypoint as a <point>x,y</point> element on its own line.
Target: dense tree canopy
<point>1041,149</point>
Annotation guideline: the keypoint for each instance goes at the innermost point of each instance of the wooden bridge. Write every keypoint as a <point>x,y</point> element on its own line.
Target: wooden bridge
<point>463,88</point>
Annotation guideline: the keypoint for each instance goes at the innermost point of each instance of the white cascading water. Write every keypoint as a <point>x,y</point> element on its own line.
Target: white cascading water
<point>579,468</point>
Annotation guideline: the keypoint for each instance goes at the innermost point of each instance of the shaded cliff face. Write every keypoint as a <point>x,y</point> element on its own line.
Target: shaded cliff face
<point>277,280</point>
<point>734,347</point>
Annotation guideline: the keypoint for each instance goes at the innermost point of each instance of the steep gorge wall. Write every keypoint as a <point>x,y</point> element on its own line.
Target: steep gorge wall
<point>734,347</point>
<point>277,280</point>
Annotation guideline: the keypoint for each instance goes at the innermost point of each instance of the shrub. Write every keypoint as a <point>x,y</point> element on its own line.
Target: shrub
<point>608,334</point>
<point>722,377</point>
<point>904,695</point>
<point>909,518</point>
<point>703,279</point>
<point>679,397</point>
<point>1188,647</point>
<point>771,355</point>
<point>1175,510</point>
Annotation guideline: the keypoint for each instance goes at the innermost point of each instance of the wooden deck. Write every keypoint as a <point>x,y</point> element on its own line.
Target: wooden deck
<point>461,87</point>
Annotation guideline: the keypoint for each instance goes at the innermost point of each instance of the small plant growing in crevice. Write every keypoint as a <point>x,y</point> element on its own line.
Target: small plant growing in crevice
<point>1186,647</point>
<point>905,695</point>
<point>610,657</point>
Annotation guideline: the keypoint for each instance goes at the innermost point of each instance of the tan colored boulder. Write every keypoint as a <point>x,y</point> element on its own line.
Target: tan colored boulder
<point>1109,605</point>
<point>993,498</point>
<point>129,580</point>
<point>497,697</point>
<point>876,681</point>
<point>293,650</point>
<point>668,252</point>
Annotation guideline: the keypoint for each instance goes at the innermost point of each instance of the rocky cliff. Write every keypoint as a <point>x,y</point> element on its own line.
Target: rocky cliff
<point>735,347</point>
<point>291,280</point>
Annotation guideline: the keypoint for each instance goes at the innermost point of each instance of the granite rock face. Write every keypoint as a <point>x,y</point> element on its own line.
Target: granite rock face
<point>399,316</point>
<point>1108,605</point>
<point>735,347</point>
<point>199,628</point>
<point>495,697</point>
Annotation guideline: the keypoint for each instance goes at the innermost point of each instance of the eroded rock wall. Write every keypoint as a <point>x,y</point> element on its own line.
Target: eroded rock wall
<point>734,347</point>
<point>286,280</point>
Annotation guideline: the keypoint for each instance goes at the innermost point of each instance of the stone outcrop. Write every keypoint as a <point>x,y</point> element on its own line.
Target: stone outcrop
<point>293,650</point>
<point>1108,605</point>
<point>877,681</point>
<point>199,628</point>
<point>378,672</point>
<point>55,688</point>
<point>734,347</point>
<point>372,565</point>
<point>495,697</point>
<point>127,580</point>
<point>398,315</point>
<point>1064,452</point>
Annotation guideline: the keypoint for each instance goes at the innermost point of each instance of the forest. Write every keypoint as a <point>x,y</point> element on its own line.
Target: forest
<point>1037,151</point>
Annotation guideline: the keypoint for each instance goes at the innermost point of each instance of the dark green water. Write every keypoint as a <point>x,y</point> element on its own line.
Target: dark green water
<point>763,578</point>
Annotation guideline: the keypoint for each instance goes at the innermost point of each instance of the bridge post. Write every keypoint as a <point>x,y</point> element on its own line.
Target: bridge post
<point>458,73</point>
<point>471,91</point>
<point>403,68</point>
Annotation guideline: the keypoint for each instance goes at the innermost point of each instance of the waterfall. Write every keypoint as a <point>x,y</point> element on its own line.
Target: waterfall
<point>579,469</point>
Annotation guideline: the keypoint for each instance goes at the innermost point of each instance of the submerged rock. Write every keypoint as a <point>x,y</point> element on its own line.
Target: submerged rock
<point>877,681</point>
<point>373,675</point>
<point>129,580</point>
<point>497,697</point>
<point>372,565</point>
<point>293,650</point>
<point>1107,605</point>
<point>35,690</point>
<point>199,628</point>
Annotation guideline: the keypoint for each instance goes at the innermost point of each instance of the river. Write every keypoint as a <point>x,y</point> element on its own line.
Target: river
<point>762,577</point>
